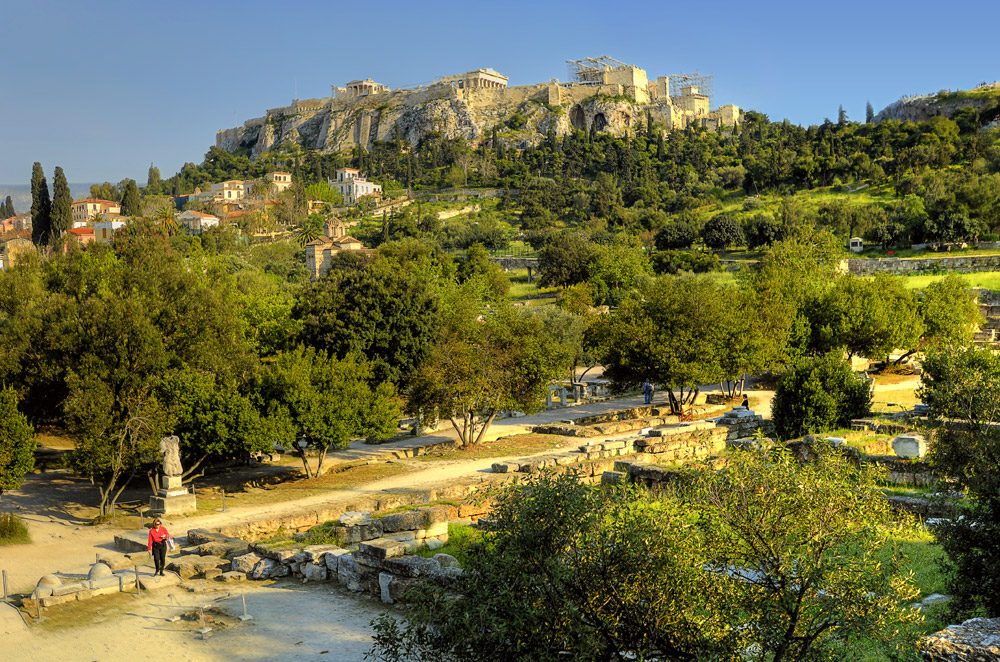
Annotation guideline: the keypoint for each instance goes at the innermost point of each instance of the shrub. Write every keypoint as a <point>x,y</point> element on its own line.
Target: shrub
<point>12,530</point>
<point>679,234</point>
<point>672,262</point>
<point>819,394</point>
<point>722,232</point>
<point>762,230</point>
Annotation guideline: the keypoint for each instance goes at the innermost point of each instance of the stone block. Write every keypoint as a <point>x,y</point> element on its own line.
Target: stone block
<point>116,561</point>
<point>151,583</point>
<point>402,536</point>
<point>233,576</point>
<point>910,446</point>
<point>279,570</point>
<point>313,572</point>
<point>316,552</point>
<point>446,561</point>
<point>433,543</point>
<point>411,566</point>
<point>405,521</point>
<point>332,558</point>
<point>381,549</point>
<point>437,529</point>
<point>263,569</point>
<point>53,600</point>
<point>213,573</point>
<point>173,504</point>
<point>132,541</point>
<point>434,515</point>
<point>354,518</point>
<point>613,477</point>
<point>348,574</point>
<point>245,563</point>
<point>384,579</point>
<point>202,536</point>
<point>106,582</point>
<point>505,467</point>
<point>88,593</point>
<point>66,589</point>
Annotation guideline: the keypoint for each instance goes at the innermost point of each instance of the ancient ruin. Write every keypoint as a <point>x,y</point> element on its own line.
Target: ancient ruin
<point>603,95</point>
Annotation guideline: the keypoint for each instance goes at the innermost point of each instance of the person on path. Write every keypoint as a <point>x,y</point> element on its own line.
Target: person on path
<point>647,390</point>
<point>746,401</point>
<point>158,537</point>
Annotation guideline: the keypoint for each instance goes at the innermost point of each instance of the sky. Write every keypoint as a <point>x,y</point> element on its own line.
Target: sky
<point>105,88</point>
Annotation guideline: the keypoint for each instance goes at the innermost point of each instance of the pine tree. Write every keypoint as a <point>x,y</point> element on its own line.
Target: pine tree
<point>841,116</point>
<point>40,205</point>
<point>869,114</point>
<point>131,202</point>
<point>154,183</point>
<point>61,216</point>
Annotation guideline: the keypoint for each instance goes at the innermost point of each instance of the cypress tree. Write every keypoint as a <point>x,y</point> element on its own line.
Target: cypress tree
<point>40,205</point>
<point>869,113</point>
<point>61,217</point>
<point>9,204</point>
<point>154,183</point>
<point>131,203</point>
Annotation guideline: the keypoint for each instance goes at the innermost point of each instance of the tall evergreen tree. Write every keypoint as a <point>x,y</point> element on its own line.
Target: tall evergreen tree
<point>841,116</point>
<point>131,202</point>
<point>61,216</point>
<point>869,113</point>
<point>154,184</point>
<point>41,206</point>
<point>9,208</point>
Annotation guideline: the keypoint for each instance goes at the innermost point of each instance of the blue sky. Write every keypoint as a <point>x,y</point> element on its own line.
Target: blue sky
<point>104,88</point>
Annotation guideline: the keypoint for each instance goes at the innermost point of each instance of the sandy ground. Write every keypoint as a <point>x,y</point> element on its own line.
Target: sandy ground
<point>290,622</point>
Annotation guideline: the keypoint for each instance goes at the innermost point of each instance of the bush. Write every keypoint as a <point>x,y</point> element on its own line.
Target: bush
<point>818,395</point>
<point>762,230</point>
<point>672,262</point>
<point>12,530</point>
<point>722,232</point>
<point>676,235</point>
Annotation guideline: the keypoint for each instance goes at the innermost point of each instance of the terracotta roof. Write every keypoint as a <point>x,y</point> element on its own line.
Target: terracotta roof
<point>198,213</point>
<point>97,201</point>
<point>81,231</point>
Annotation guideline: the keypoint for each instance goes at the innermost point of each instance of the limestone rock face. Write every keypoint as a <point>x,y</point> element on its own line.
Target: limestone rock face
<point>924,107</point>
<point>975,640</point>
<point>523,116</point>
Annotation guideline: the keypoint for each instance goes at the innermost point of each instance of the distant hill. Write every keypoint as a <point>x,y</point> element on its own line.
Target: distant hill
<point>20,194</point>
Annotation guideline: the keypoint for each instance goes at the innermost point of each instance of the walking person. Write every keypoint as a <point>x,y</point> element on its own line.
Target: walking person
<point>158,538</point>
<point>647,390</point>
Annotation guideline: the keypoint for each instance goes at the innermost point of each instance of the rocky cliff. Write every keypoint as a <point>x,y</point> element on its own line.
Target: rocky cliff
<point>924,107</point>
<point>522,115</point>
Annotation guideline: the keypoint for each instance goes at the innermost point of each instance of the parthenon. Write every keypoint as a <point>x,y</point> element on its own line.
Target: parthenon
<point>477,79</point>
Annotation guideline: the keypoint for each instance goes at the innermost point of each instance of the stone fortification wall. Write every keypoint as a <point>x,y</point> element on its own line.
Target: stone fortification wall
<point>890,265</point>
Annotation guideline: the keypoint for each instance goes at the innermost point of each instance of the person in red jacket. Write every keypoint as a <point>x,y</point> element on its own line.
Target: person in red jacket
<point>158,537</point>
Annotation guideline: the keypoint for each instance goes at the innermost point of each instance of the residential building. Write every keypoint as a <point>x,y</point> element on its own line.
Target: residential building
<point>227,191</point>
<point>105,228</point>
<point>352,186</point>
<point>279,181</point>
<point>84,210</point>
<point>196,221</point>
<point>80,236</point>
<point>320,252</point>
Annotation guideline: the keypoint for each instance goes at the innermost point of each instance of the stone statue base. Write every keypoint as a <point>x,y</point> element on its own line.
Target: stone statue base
<point>172,498</point>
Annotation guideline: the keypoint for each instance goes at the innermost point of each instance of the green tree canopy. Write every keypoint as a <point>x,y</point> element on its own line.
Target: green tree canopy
<point>817,395</point>
<point>314,401</point>
<point>949,311</point>
<point>17,442</point>
<point>61,214</point>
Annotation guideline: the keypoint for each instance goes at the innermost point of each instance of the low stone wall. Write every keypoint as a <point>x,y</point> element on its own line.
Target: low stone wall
<point>975,640</point>
<point>902,266</point>
<point>380,565</point>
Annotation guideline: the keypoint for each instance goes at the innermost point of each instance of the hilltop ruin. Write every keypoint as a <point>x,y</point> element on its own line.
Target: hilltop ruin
<point>605,95</point>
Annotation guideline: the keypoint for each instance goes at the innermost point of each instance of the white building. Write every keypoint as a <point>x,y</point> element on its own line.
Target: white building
<point>351,185</point>
<point>105,228</point>
<point>228,191</point>
<point>196,221</point>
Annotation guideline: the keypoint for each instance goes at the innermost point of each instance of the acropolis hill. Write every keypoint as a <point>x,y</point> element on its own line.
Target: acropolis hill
<point>605,95</point>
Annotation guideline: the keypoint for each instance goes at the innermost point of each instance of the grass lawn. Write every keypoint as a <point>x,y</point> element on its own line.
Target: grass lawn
<point>513,445</point>
<point>901,400</point>
<point>989,280</point>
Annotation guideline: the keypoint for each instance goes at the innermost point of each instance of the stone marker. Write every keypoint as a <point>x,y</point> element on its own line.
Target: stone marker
<point>910,446</point>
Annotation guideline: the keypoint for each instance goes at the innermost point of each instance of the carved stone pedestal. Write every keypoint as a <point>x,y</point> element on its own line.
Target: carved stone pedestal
<point>172,498</point>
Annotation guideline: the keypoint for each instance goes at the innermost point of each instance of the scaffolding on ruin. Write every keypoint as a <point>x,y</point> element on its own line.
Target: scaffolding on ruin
<point>704,82</point>
<point>591,69</point>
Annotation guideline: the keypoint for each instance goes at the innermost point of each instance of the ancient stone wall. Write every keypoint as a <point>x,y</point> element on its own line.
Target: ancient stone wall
<point>903,266</point>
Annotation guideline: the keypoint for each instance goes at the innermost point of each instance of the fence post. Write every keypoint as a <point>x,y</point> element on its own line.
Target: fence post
<point>5,586</point>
